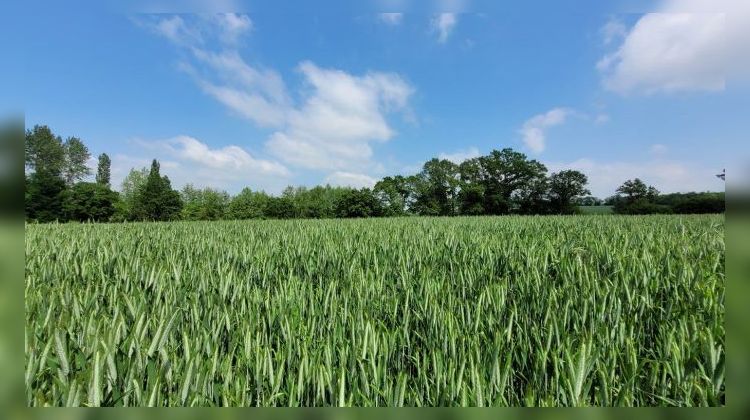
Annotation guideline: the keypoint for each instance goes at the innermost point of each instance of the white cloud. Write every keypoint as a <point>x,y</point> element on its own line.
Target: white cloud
<point>667,176</point>
<point>461,155</point>
<point>692,45</point>
<point>602,118</point>
<point>227,28</point>
<point>668,53</point>
<point>612,31</point>
<point>188,160</point>
<point>340,117</point>
<point>233,26</point>
<point>443,24</point>
<point>230,158</point>
<point>332,126</point>
<point>534,129</point>
<point>349,179</point>
<point>391,18</point>
<point>658,149</point>
<point>176,31</point>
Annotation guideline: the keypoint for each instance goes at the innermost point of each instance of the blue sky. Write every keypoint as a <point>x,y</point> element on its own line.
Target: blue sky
<point>266,97</point>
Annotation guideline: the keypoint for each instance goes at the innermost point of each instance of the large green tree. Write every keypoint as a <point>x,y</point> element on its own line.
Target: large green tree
<point>436,188</point>
<point>44,151</point>
<point>76,157</point>
<point>636,189</point>
<point>564,188</point>
<point>156,200</point>
<point>103,170</point>
<point>45,158</point>
<point>502,174</point>
<point>89,201</point>
<point>249,204</point>
<point>471,195</point>
<point>131,186</point>
<point>635,197</point>
<point>44,197</point>
<point>532,197</point>
<point>204,204</point>
<point>358,203</point>
<point>396,195</point>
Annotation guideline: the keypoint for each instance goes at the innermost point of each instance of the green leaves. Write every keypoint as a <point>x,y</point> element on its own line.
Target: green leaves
<point>508,311</point>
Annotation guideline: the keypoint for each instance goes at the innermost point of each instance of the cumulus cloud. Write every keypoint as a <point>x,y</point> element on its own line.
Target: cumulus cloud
<point>341,116</point>
<point>391,18</point>
<point>232,158</point>
<point>186,159</point>
<point>461,155</point>
<point>332,124</point>
<point>534,129</point>
<point>350,179</point>
<point>682,46</point>
<point>667,176</point>
<point>443,24</point>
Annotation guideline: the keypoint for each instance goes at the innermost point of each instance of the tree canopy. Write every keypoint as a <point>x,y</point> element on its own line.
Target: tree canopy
<point>502,182</point>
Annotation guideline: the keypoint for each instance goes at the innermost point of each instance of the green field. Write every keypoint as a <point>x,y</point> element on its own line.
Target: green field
<point>596,209</point>
<point>578,310</point>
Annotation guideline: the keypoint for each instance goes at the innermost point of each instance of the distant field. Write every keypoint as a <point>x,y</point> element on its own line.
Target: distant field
<point>496,311</point>
<point>596,209</point>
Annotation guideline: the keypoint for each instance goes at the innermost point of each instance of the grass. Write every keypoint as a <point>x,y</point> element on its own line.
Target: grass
<point>596,209</point>
<point>497,311</point>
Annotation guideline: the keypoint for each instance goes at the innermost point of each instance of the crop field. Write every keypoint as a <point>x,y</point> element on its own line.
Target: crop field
<point>481,311</point>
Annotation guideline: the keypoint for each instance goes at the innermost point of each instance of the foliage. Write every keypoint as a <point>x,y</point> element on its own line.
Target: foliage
<point>564,188</point>
<point>503,174</point>
<point>635,197</point>
<point>358,203</point>
<point>642,199</point>
<point>76,156</point>
<point>44,195</point>
<point>156,200</point>
<point>502,311</point>
<point>502,182</point>
<point>249,204</point>
<point>437,187</point>
<point>694,203</point>
<point>204,204</point>
<point>129,190</point>
<point>88,201</point>
<point>103,170</point>
<point>395,194</point>
<point>588,201</point>
<point>597,209</point>
<point>44,151</point>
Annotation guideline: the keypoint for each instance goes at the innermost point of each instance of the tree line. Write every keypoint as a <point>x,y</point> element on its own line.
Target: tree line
<point>501,182</point>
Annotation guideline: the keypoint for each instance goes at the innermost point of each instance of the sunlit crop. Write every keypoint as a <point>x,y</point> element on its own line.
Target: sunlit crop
<point>573,311</point>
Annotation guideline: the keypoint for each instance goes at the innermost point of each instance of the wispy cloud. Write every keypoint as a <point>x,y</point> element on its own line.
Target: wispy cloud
<point>233,26</point>
<point>658,149</point>
<point>186,159</point>
<point>391,18</point>
<point>443,24</point>
<point>460,155</point>
<point>534,129</point>
<point>350,179</point>
<point>612,31</point>
<point>331,126</point>
<point>666,175</point>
